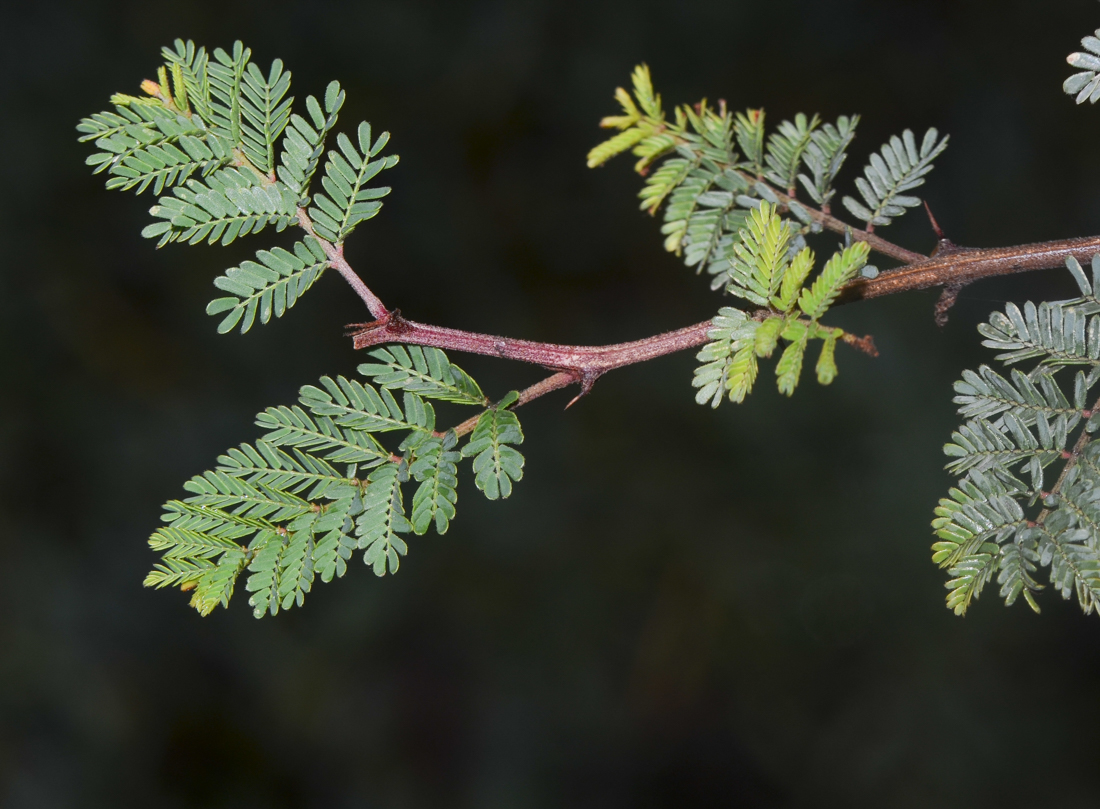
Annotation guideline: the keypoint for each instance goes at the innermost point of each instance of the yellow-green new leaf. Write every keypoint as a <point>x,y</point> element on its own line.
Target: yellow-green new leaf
<point>617,145</point>
<point>793,279</point>
<point>767,336</point>
<point>839,270</point>
<point>826,363</point>
<point>789,367</point>
<point>649,101</point>
<point>760,260</point>
<point>742,373</point>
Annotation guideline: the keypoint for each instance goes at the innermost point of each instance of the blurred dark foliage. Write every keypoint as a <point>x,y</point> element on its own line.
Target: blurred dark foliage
<point>585,643</point>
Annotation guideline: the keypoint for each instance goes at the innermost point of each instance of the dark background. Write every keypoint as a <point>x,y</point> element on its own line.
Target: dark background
<point>677,607</point>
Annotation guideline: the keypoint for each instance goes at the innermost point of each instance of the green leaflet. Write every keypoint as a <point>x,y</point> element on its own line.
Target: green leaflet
<point>265,569</point>
<point>282,570</point>
<point>332,534</point>
<point>496,464</point>
<point>729,360</point>
<point>293,427</point>
<point>785,150</point>
<point>1085,84</point>
<point>789,367</point>
<point>839,270</point>
<point>749,130</point>
<point>230,203</point>
<point>362,408</point>
<point>761,259</point>
<point>986,394</point>
<point>824,156</point>
<point>994,524</point>
<point>147,145</point>
<point>423,371</point>
<point>304,141</point>
<point>347,200</point>
<point>383,518</point>
<point>1060,333</point>
<point>435,498</point>
<point>215,586</point>
<point>225,73</point>
<point>190,64</point>
<point>826,363</point>
<point>268,287</point>
<point>265,112</point>
<point>898,166</point>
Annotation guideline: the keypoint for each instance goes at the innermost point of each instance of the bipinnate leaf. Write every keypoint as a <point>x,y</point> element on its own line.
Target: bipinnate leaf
<point>1020,427</point>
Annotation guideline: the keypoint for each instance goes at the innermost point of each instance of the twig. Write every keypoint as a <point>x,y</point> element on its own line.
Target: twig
<point>562,379</point>
<point>830,222</point>
<point>337,261</point>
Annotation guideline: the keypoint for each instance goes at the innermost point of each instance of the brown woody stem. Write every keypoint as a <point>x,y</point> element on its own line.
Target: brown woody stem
<point>967,265</point>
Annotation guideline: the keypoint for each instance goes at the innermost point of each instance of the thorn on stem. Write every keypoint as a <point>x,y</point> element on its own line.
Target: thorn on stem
<point>935,225</point>
<point>944,246</point>
<point>587,380</point>
<point>378,331</point>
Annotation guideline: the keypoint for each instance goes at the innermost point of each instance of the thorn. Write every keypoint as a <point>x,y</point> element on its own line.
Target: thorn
<point>587,380</point>
<point>935,225</point>
<point>1066,454</point>
<point>944,246</point>
<point>946,300</point>
<point>365,335</point>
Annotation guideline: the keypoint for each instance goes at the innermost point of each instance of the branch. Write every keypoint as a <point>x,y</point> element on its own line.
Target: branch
<point>966,265</point>
<point>586,364</point>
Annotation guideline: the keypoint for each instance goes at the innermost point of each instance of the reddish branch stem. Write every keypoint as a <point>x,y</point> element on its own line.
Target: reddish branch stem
<point>562,379</point>
<point>966,265</point>
<point>336,260</point>
<point>585,364</point>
